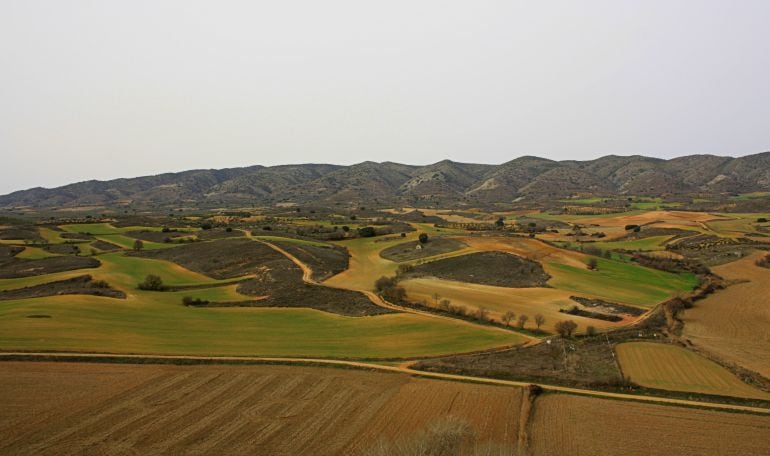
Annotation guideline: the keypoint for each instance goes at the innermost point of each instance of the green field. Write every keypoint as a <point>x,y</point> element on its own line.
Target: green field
<point>645,244</point>
<point>157,322</point>
<point>621,282</point>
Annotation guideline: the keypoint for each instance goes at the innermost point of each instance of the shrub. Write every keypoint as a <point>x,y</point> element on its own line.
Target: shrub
<point>631,227</point>
<point>152,283</point>
<point>590,331</point>
<point>138,245</point>
<point>190,301</point>
<point>593,264</point>
<point>762,220</point>
<point>229,229</point>
<point>383,283</point>
<point>423,238</point>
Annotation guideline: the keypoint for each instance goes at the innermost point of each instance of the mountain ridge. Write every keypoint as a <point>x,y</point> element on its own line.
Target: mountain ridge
<point>526,177</point>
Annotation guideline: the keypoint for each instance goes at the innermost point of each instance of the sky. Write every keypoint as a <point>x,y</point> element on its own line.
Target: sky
<point>105,89</point>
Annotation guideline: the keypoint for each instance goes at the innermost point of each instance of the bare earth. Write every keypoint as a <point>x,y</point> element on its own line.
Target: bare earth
<point>734,324</point>
<point>584,426</point>
<point>73,408</point>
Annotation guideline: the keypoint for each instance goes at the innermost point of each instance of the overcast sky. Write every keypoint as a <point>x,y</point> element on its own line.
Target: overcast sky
<point>104,89</point>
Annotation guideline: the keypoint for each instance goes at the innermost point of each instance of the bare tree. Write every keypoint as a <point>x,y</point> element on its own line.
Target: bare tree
<point>523,320</point>
<point>565,328</point>
<point>508,317</point>
<point>539,320</point>
<point>593,264</point>
<point>138,245</point>
<point>482,314</point>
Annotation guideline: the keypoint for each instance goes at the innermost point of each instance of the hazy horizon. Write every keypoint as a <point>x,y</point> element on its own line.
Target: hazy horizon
<point>104,90</point>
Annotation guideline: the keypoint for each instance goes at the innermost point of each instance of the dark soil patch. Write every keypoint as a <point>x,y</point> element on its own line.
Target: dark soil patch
<point>324,261</point>
<point>284,287</point>
<point>408,251</point>
<point>26,233</point>
<point>81,285</point>
<point>9,251</point>
<point>224,259</point>
<point>11,267</point>
<point>575,310</point>
<point>106,246</point>
<point>608,307</point>
<point>487,268</point>
<point>218,233</point>
<point>276,276</point>
<point>419,217</point>
<point>63,249</point>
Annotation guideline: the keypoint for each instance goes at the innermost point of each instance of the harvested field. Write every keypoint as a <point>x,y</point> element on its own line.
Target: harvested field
<point>80,285</point>
<point>733,323</point>
<point>487,268</point>
<point>577,425</point>
<point>70,408</point>
<point>158,236</point>
<point>671,367</point>
<point>409,251</point>
<point>499,300</point>
<point>64,249</point>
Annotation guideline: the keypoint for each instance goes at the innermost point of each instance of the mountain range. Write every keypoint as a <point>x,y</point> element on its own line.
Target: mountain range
<point>522,179</point>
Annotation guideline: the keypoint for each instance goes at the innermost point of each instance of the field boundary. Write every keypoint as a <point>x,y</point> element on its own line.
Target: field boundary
<point>191,360</point>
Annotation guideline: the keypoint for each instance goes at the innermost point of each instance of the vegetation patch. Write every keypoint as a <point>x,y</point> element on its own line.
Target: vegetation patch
<point>12,267</point>
<point>487,268</point>
<point>105,246</point>
<point>223,259</point>
<point>80,285</point>
<point>608,307</point>
<point>416,250</point>
<point>324,260</point>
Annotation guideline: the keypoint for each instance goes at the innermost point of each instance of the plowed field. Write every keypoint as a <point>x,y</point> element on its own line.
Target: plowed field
<point>585,426</point>
<point>62,408</point>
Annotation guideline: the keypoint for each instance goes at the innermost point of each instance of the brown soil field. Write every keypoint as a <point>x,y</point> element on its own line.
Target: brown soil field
<point>72,408</point>
<point>12,267</point>
<point>577,425</point>
<point>733,323</point>
<point>408,251</point>
<point>80,285</point>
<point>679,218</point>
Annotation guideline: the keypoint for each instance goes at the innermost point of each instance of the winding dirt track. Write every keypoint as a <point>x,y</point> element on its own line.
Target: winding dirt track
<point>307,277</point>
<point>13,356</point>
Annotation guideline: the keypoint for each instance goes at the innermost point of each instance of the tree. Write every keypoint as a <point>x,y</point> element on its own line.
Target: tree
<point>482,314</point>
<point>565,328</point>
<point>522,320</point>
<point>152,283</point>
<point>593,264</point>
<point>367,231</point>
<point>383,283</point>
<point>762,220</point>
<point>539,320</point>
<point>631,227</point>
<point>345,228</point>
<point>445,304</point>
<point>423,238</point>
<point>590,330</point>
<point>500,222</point>
<point>508,317</point>
<point>138,245</point>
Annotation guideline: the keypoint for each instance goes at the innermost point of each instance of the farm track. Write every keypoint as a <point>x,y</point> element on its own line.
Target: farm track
<point>37,356</point>
<point>307,277</point>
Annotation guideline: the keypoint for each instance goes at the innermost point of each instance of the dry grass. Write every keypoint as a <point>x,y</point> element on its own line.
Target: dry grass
<point>674,368</point>
<point>733,323</point>
<point>578,425</point>
<point>62,408</point>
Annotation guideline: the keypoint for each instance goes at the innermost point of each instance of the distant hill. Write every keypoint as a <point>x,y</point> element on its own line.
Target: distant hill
<point>521,179</point>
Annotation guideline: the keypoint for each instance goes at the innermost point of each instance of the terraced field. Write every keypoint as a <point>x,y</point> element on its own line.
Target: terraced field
<point>674,368</point>
<point>579,425</point>
<point>64,408</point>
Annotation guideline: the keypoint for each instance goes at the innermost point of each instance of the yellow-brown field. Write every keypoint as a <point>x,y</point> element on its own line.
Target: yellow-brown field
<point>671,367</point>
<point>499,300</point>
<point>585,426</point>
<point>63,408</point>
<point>734,323</point>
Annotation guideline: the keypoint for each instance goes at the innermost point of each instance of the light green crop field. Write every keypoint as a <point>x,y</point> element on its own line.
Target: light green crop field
<point>35,253</point>
<point>674,368</point>
<point>621,282</point>
<point>645,244</point>
<point>157,323</point>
